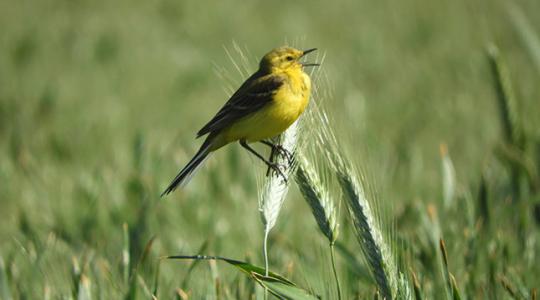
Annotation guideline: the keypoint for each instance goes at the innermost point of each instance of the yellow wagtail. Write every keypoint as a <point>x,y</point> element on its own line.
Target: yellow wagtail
<point>264,106</point>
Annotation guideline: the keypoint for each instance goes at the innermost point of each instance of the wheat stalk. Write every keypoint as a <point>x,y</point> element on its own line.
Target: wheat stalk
<point>317,194</point>
<point>275,188</point>
<point>368,231</point>
<point>508,107</point>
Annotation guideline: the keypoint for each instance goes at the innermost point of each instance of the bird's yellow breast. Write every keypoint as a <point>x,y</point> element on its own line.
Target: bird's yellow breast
<point>288,103</point>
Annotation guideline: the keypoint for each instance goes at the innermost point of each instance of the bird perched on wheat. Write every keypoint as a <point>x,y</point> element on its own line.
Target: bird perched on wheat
<point>264,106</point>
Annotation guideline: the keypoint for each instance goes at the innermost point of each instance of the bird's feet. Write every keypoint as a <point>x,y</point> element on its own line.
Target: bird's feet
<point>284,152</point>
<point>277,170</point>
<point>277,148</point>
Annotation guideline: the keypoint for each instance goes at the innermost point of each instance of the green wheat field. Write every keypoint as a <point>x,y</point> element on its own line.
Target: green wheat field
<point>417,170</point>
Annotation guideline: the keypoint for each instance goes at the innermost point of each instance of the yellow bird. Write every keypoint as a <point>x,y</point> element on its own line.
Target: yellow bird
<point>264,106</point>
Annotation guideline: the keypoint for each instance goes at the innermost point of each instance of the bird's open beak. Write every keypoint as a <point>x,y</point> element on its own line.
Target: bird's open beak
<point>308,51</point>
<point>309,64</point>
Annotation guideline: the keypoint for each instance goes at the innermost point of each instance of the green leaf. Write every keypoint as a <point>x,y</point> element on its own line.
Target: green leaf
<point>203,248</point>
<point>243,266</point>
<point>282,290</point>
<point>276,284</point>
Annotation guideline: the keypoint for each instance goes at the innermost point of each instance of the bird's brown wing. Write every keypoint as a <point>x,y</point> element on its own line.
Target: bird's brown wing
<point>256,92</point>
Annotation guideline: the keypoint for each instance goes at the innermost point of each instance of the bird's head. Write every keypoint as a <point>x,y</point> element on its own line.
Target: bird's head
<point>284,58</point>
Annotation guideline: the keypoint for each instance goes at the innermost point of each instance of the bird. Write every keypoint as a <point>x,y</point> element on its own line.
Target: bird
<point>264,106</point>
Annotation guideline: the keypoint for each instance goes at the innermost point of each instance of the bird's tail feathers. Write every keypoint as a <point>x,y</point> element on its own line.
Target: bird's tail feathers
<point>190,169</point>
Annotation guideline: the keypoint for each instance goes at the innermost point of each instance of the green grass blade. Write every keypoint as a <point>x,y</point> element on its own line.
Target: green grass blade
<point>276,284</point>
<point>243,266</point>
<point>125,254</point>
<point>193,264</point>
<point>416,285</point>
<point>334,270</point>
<point>75,277</point>
<point>446,272</point>
<point>5,292</point>
<point>509,288</point>
<point>282,290</point>
<point>156,280</point>
<point>455,291</point>
<point>483,209</point>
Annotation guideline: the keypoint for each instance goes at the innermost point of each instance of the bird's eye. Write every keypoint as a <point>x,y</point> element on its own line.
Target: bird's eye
<point>289,58</point>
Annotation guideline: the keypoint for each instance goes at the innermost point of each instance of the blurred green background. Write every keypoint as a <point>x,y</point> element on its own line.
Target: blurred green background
<point>100,101</point>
